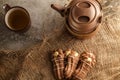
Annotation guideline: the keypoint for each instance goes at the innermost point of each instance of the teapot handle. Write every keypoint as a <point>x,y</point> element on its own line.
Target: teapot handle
<point>58,8</point>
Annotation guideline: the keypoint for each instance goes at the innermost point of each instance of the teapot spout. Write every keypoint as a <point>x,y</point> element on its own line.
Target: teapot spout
<point>58,8</point>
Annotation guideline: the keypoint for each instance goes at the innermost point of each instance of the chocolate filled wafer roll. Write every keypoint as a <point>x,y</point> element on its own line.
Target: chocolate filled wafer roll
<point>72,58</point>
<point>86,62</point>
<point>58,64</point>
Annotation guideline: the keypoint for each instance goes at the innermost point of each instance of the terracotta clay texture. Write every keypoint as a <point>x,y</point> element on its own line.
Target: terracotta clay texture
<point>82,17</point>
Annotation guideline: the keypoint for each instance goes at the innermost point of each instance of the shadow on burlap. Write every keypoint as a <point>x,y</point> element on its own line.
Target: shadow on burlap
<point>35,64</point>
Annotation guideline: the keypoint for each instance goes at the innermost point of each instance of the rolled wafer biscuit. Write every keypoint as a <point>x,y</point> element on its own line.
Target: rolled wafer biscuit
<point>58,64</point>
<point>72,58</point>
<point>86,62</point>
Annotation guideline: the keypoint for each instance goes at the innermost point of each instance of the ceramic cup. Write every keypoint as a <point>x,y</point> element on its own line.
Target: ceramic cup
<point>16,18</point>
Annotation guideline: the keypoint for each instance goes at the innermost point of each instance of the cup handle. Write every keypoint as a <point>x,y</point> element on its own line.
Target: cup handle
<point>6,8</point>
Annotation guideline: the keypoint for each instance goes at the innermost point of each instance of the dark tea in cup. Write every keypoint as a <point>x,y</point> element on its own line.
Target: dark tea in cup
<point>16,18</point>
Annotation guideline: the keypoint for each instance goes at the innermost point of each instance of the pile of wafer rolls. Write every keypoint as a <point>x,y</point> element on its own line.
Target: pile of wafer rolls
<point>70,65</point>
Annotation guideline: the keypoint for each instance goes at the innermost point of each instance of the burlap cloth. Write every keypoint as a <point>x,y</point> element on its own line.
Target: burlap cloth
<point>34,63</point>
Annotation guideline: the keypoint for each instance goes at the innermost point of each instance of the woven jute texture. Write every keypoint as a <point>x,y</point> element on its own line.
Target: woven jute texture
<point>35,63</point>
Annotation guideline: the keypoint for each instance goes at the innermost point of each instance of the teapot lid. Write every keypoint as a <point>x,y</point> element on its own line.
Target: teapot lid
<point>85,11</point>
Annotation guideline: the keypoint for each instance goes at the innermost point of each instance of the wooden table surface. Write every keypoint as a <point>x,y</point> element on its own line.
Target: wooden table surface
<point>26,56</point>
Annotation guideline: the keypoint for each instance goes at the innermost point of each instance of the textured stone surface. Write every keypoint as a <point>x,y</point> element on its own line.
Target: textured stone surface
<point>44,19</point>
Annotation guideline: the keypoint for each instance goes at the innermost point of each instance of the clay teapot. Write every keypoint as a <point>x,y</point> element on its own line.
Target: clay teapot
<point>82,17</point>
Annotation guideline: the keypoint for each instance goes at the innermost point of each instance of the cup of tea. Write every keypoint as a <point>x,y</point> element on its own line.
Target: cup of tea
<point>16,18</point>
